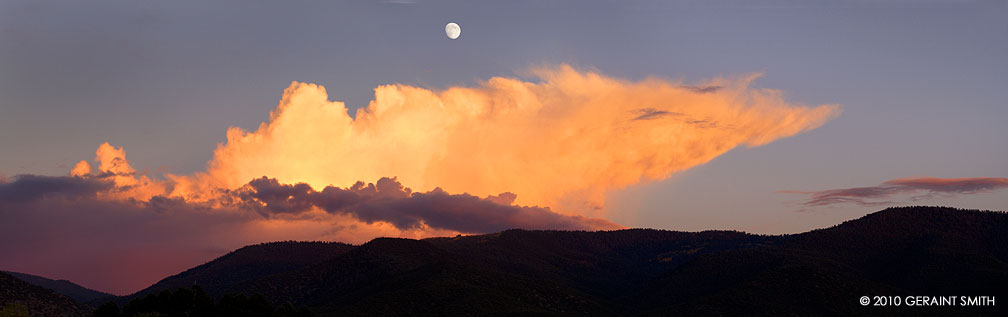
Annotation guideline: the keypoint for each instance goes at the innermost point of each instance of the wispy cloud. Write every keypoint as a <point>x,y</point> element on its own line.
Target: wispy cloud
<point>702,89</point>
<point>922,188</point>
<point>652,113</point>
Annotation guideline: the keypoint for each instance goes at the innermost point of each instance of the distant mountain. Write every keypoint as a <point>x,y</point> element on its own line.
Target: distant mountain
<point>919,249</point>
<point>247,263</point>
<point>17,297</point>
<point>898,251</point>
<point>74,291</point>
<point>513,272</point>
<point>925,251</point>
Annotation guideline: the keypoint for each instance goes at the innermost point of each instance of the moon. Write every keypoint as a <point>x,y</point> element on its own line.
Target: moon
<point>452,30</point>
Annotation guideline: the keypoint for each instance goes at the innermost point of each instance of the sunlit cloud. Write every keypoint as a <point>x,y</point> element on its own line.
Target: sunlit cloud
<point>506,153</point>
<point>563,141</point>
<point>81,169</point>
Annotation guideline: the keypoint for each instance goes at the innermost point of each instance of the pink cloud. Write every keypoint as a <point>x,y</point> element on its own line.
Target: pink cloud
<point>885,194</point>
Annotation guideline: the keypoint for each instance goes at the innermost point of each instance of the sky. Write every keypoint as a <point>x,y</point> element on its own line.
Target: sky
<point>762,116</point>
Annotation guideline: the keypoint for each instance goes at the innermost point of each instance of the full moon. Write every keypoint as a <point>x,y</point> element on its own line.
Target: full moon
<point>452,30</point>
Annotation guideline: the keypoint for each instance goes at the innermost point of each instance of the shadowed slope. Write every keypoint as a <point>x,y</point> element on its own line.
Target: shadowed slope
<point>67,288</point>
<point>930,251</point>
<point>37,300</point>
<point>250,262</point>
<point>897,251</point>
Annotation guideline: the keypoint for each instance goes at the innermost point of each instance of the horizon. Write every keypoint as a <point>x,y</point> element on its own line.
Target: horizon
<point>192,128</point>
<point>217,257</point>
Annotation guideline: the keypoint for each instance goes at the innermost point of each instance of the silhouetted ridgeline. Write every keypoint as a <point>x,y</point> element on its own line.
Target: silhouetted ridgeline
<point>930,251</point>
<point>76,292</point>
<point>18,297</point>
<point>193,301</point>
<point>250,262</point>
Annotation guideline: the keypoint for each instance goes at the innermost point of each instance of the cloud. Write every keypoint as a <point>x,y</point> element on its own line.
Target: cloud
<point>72,228</point>
<point>702,90</point>
<point>112,160</point>
<point>94,238</point>
<point>563,141</point>
<point>921,189</point>
<point>113,166</point>
<point>29,188</point>
<point>81,169</point>
<point>391,202</point>
<point>652,113</point>
<point>536,154</point>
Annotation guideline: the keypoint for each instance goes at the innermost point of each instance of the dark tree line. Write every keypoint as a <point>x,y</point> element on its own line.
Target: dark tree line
<point>194,301</point>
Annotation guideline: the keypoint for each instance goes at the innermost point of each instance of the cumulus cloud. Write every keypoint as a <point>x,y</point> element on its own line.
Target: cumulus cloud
<point>562,141</point>
<point>113,166</point>
<point>919,188</point>
<point>81,169</point>
<point>506,153</point>
<point>112,160</point>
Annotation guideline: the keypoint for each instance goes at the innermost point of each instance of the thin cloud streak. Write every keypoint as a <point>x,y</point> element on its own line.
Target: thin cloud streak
<point>922,188</point>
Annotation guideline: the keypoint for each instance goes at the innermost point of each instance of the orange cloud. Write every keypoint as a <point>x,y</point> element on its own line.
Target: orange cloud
<point>112,164</point>
<point>112,160</point>
<point>81,169</point>
<point>563,141</point>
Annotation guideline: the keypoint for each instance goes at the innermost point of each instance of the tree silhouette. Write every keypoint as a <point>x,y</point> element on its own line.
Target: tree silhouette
<point>193,301</point>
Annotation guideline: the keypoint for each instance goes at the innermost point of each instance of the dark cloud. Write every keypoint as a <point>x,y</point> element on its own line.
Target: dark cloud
<point>72,227</point>
<point>389,201</point>
<point>921,189</point>
<point>27,188</point>
<point>702,90</point>
<point>267,195</point>
<point>952,185</point>
<point>652,113</point>
<point>706,124</point>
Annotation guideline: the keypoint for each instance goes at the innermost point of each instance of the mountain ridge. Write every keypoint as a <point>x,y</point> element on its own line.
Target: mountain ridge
<point>20,296</point>
<point>898,251</point>
<point>70,289</point>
